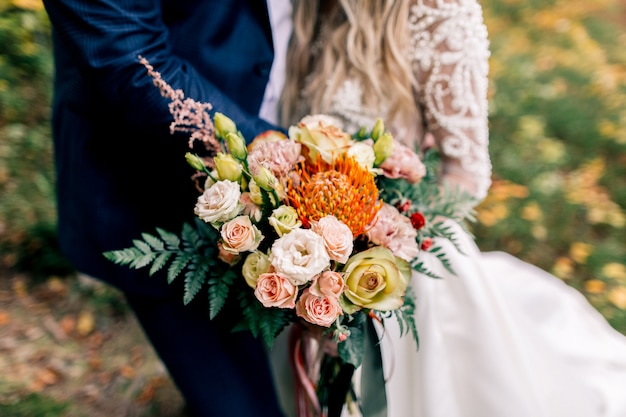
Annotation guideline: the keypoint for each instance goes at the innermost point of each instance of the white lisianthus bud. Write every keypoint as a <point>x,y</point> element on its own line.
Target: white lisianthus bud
<point>236,146</point>
<point>255,192</point>
<point>383,148</point>
<point>227,167</point>
<point>264,178</point>
<point>194,161</point>
<point>284,219</point>
<point>378,130</point>
<point>223,125</point>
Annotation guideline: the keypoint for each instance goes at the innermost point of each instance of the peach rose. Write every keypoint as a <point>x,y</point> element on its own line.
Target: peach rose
<point>273,289</point>
<point>319,310</point>
<point>321,136</point>
<point>328,283</point>
<point>337,236</point>
<point>227,257</point>
<point>240,235</point>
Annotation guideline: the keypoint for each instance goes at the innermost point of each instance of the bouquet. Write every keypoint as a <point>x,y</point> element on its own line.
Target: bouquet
<point>318,228</point>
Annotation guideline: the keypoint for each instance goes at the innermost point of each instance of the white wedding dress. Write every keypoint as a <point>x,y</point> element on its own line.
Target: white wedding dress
<point>500,338</point>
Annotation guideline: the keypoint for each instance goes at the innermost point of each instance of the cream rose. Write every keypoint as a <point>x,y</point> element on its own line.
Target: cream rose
<point>255,264</point>
<point>240,235</point>
<point>376,279</point>
<point>329,284</point>
<point>219,203</point>
<point>284,219</point>
<point>299,255</point>
<point>273,289</point>
<point>337,236</point>
<point>322,137</point>
<point>363,153</point>
<point>319,310</point>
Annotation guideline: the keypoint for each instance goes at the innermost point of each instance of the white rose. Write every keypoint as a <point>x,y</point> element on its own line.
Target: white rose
<point>256,263</point>
<point>337,236</point>
<point>240,235</point>
<point>364,154</point>
<point>219,203</point>
<point>300,255</point>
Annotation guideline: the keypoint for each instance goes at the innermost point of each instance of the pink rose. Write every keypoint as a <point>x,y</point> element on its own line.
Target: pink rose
<point>227,257</point>
<point>273,289</point>
<point>319,310</point>
<point>395,232</point>
<point>322,137</point>
<point>240,235</point>
<point>403,163</point>
<point>329,284</point>
<point>337,236</point>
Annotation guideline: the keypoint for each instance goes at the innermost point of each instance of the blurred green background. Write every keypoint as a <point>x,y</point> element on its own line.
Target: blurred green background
<point>558,146</point>
<point>558,143</point>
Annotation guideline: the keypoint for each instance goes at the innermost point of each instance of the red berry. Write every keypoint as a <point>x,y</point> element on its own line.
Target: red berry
<point>417,220</point>
<point>426,243</point>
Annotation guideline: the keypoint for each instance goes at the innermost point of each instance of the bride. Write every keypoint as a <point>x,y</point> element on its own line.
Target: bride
<point>500,338</point>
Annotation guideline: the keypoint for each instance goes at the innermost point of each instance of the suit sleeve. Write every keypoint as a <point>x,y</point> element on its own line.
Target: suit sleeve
<point>107,36</point>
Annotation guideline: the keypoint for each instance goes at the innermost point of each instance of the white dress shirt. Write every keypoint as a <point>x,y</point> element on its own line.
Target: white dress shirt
<point>280,20</point>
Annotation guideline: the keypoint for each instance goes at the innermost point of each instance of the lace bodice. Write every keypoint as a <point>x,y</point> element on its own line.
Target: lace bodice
<point>449,52</point>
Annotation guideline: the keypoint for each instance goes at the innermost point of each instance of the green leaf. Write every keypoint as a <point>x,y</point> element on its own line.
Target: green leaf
<point>123,256</point>
<point>420,268</point>
<point>353,348</point>
<point>219,284</point>
<point>177,266</point>
<point>142,260</point>
<point>172,241</point>
<point>406,316</point>
<point>194,278</point>
<point>160,262</point>
<point>153,241</point>
<point>191,238</point>
<point>142,246</point>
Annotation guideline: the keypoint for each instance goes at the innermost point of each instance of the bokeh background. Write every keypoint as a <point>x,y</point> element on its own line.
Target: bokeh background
<point>69,347</point>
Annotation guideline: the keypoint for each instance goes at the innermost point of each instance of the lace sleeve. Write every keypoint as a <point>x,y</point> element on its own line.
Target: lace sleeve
<point>450,51</point>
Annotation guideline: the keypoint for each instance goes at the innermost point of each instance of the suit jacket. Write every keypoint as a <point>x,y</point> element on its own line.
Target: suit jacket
<point>119,170</point>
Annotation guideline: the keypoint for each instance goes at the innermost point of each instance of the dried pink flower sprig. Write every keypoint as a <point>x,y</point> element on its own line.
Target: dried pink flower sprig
<point>189,116</point>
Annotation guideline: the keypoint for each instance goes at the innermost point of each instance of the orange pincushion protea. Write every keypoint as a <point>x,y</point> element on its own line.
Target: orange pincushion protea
<point>342,189</point>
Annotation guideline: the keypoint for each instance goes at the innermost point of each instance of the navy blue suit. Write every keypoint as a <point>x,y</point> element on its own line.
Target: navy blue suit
<point>120,172</point>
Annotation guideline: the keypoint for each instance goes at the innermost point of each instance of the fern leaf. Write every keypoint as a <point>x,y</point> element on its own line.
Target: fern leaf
<point>170,239</point>
<point>153,241</point>
<point>219,284</point>
<point>142,246</point>
<point>420,268</point>
<point>142,260</point>
<point>123,256</point>
<point>177,266</point>
<point>159,262</point>
<point>194,278</point>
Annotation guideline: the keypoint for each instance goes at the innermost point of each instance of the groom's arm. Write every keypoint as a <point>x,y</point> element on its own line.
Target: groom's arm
<point>105,37</point>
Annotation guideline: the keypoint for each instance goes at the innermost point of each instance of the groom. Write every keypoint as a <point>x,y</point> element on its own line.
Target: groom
<point>120,172</point>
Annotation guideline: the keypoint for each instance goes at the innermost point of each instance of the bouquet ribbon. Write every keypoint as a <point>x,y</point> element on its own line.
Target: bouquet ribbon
<point>310,350</point>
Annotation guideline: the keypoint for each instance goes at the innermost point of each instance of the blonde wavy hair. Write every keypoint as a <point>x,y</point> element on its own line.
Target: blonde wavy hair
<point>334,40</point>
